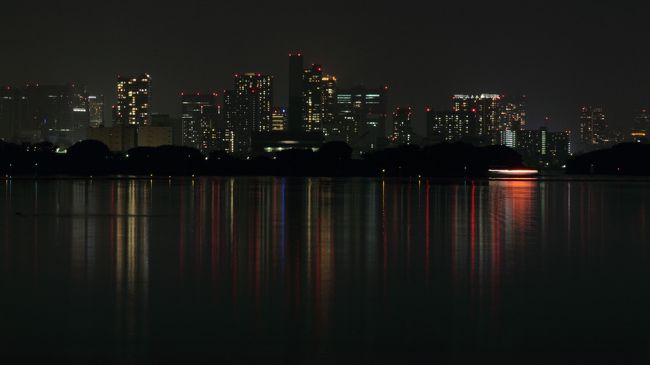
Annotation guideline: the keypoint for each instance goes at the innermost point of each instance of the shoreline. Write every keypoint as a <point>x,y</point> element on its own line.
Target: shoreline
<point>540,178</point>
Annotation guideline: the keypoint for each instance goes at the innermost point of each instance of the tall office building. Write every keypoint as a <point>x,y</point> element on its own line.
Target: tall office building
<point>488,112</point>
<point>402,128</point>
<point>199,113</point>
<point>296,92</point>
<point>80,115</point>
<point>279,119</point>
<point>593,126</point>
<point>96,110</point>
<point>329,127</point>
<point>361,117</point>
<point>313,98</point>
<point>248,110</point>
<point>57,113</point>
<point>449,126</point>
<point>133,100</point>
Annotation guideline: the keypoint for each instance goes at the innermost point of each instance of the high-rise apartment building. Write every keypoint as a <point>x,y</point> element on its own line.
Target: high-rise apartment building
<point>248,110</point>
<point>488,108</point>
<point>133,100</point>
<point>199,113</point>
<point>313,98</point>
<point>402,126</point>
<point>593,126</point>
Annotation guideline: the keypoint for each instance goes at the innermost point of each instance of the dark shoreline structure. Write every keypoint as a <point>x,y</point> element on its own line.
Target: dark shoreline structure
<point>93,158</point>
<point>454,160</point>
<point>630,159</point>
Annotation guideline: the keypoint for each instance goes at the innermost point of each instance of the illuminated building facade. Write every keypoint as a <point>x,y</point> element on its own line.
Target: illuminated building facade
<point>279,119</point>
<point>543,149</point>
<point>641,127</point>
<point>513,113</point>
<point>402,128</point>
<point>509,138</point>
<point>313,98</point>
<point>96,110</point>
<point>361,117</point>
<point>488,108</point>
<point>329,126</point>
<point>449,126</point>
<point>199,115</point>
<point>133,94</point>
<point>248,110</point>
<point>593,126</point>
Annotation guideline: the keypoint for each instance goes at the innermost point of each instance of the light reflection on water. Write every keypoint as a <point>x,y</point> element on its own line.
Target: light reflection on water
<point>321,270</point>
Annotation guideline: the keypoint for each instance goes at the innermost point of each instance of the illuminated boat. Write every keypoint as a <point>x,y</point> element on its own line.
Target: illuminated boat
<point>521,172</point>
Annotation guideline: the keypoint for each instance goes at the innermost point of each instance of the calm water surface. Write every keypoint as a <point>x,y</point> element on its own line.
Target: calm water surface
<point>301,271</point>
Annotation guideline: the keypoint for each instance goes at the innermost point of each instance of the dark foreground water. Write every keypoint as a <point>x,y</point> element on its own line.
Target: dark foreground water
<point>271,270</point>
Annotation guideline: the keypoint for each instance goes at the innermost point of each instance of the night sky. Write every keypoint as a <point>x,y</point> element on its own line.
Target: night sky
<point>560,54</point>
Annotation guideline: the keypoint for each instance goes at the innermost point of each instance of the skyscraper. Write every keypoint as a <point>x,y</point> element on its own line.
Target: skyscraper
<point>593,126</point>
<point>329,127</point>
<point>133,95</point>
<point>313,98</point>
<point>199,113</point>
<point>248,109</point>
<point>296,92</point>
<point>80,115</point>
<point>57,113</point>
<point>513,115</point>
<point>488,112</point>
<point>402,128</point>
<point>449,126</point>
<point>361,117</point>
<point>96,110</point>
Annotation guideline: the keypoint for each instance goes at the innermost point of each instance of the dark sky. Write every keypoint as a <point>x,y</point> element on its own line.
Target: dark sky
<point>560,54</point>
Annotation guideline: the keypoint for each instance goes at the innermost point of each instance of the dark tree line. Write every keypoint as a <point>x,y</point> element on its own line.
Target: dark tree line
<point>332,159</point>
<point>622,159</point>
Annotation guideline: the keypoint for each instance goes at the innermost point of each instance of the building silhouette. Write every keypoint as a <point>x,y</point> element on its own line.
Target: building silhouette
<point>329,126</point>
<point>313,98</point>
<point>199,117</point>
<point>247,110</point>
<point>488,108</point>
<point>593,126</point>
<point>361,117</point>
<point>10,112</point>
<point>96,110</point>
<point>296,93</point>
<point>402,126</point>
<point>449,126</point>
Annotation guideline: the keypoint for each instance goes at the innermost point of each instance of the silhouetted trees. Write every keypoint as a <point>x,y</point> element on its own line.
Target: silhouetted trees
<point>332,159</point>
<point>622,159</point>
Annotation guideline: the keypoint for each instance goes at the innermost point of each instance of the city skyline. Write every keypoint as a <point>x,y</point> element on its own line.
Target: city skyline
<point>560,57</point>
